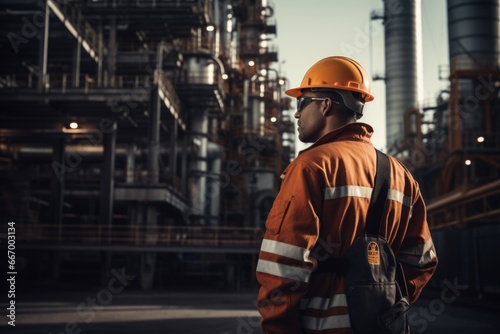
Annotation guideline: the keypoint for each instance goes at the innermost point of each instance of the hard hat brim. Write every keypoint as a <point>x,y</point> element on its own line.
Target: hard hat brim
<point>293,92</point>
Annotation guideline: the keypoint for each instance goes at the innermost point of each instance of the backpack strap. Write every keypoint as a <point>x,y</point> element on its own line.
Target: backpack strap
<point>379,195</point>
<point>376,210</point>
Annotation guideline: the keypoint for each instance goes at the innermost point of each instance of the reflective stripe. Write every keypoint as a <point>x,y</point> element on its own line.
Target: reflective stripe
<point>318,324</point>
<point>418,255</point>
<point>398,196</point>
<point>323,304</point>
<point>348,191</point>
<point>284,249</point>
<point>365,192</point>
<point>283,270</point>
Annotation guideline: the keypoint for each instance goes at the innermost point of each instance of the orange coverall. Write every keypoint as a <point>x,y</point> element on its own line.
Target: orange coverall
<point>318,213</point>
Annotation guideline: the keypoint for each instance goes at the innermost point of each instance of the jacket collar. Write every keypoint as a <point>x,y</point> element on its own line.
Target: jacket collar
<point>352,131</point>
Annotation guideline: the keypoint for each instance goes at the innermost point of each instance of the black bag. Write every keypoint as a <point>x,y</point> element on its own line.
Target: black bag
<point>374,298</point>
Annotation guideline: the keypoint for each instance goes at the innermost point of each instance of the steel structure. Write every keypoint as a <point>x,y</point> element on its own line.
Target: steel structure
<point>129,115</point>
<point>453,147</point>
<point>403,66</point>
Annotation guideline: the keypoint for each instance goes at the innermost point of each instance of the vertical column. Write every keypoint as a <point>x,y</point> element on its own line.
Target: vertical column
<point>57,186</point>
<point>198,164</point>
<point>154,138</point>
<point>112,51</point>
<point>76,63</point>
<point>174,148</point>
<point>107,195</point>
<point>403,64</point>
<point>56,200</point>
<point>44,51</point>
<point>100,52</point>
<point>107,178</point>
<point>131,153</point>
<point>184,157</point>
<point>148,259</point>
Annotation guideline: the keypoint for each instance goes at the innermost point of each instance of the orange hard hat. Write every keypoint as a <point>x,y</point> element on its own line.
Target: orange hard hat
<point>339,73</point>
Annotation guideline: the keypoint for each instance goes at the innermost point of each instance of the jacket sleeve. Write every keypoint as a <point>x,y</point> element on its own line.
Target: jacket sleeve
<point>417,253</point>
<point>284,266</point>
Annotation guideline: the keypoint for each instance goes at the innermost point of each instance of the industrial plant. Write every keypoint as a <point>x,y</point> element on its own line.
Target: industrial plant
<point>151,135</point>
<point>452,146</point>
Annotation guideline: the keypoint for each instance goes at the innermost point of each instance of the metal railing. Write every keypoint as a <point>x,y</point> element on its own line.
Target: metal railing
<point>63,82</point>
<point>139,235</point>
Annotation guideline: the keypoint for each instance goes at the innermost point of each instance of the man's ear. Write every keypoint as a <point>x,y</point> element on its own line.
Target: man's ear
<point>328,108</point>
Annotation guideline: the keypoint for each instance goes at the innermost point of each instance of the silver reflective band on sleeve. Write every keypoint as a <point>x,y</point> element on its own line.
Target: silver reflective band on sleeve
<point>318,324</point>
<point>347,191</point>
<point>284,249</point>
<point>323,304</point>
<point>283,270</point>
<point>418,255</point>
<point>399,197</point>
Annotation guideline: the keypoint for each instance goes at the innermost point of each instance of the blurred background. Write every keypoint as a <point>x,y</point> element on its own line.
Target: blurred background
<point>141,143</point>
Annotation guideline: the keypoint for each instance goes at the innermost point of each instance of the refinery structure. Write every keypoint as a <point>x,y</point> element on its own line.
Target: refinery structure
<point>152,133</point>
<point>139,131</point>
<point>452,145</point>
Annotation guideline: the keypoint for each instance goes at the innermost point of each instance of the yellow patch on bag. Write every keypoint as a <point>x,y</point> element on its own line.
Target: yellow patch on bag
<point>373,253</point>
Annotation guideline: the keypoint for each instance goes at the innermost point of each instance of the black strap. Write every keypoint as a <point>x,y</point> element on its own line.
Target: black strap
<point>379,195</point>
<point>375,213</point>
<point>377,206</point>
<point>337,265</point>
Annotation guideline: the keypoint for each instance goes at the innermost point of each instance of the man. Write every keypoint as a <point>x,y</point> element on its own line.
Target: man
<point>322,207</point>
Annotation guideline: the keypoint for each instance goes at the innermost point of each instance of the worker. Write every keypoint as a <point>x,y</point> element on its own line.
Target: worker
<point>322,206</point>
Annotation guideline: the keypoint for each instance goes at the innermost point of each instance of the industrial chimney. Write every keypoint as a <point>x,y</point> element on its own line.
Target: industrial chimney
<point>474,47</point>
<point>403,65</point>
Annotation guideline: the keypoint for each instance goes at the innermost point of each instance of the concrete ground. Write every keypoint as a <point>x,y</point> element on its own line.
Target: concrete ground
<point>196,312</point>
<point>131,312</point>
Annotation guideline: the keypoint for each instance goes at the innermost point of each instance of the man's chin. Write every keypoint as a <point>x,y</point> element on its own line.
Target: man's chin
<point>303,139</point>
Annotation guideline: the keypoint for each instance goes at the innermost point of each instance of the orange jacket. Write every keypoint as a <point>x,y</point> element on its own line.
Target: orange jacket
<point>318,213</point>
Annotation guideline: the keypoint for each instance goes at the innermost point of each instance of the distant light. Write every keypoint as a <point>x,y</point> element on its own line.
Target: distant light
<point>273,119</point>
<point>480,139</point>
<point>225,76</point>
<point>210,27</point>
<point>251,63</point>
<point>468,162</point>
<point>281,82</point>
<point>263,71</point>
<point>73,125</point>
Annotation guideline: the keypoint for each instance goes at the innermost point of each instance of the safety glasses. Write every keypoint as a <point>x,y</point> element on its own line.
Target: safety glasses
<point>303,101</point>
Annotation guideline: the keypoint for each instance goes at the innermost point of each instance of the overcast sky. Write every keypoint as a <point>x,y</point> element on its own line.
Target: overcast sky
<point>310,30</point>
